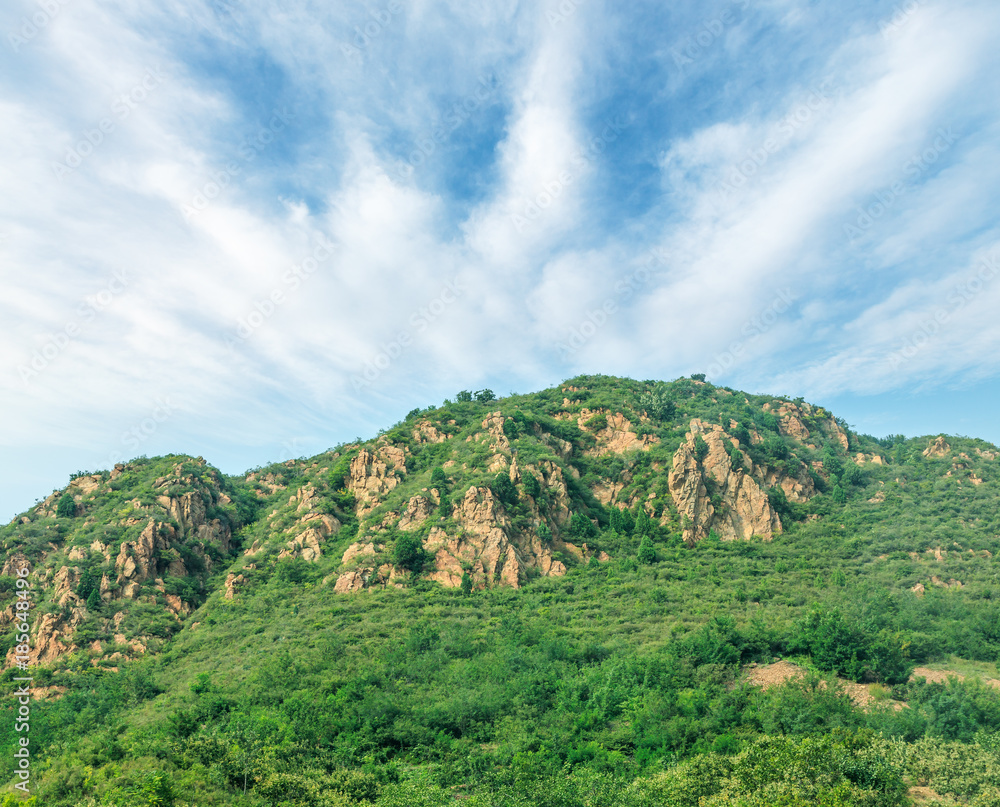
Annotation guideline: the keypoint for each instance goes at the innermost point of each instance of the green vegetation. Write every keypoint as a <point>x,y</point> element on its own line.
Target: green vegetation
<point>622,682</point>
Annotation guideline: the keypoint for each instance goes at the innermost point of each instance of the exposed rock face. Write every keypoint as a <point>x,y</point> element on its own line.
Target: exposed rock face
<point>617,437</point>
<point>368,577</point>
<point>791,422</point>
<point>937,448</point>
<point>137,561</point>
<point>85,485</point>
<point>874,459</point>
<point>305,545</point>
<point>486,547</point>
<point>136,564</point>
<point>427,432</point>
<point>308,543</point>
<point>744,509</point>
<point>373,474</point>
<point>418,510</point>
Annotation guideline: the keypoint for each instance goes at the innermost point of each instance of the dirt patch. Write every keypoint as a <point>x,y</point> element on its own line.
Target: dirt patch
<point>766,676</point>
<point>924,795</point>
<point>942,676</point>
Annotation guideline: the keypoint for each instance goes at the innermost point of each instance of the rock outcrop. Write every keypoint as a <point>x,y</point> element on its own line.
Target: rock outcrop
<point>375,473</point>
<point>711,495</point>
<point>937,448</point>
<point>617,436</point>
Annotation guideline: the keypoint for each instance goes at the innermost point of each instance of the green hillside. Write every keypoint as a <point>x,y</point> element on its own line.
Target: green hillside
<point>560,598</point>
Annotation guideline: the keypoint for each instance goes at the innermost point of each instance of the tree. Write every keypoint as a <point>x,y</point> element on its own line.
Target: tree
<point>438,478</point>
<point>66,507</point>
<point>466,584</point>
<point>646,553</point>
<point>658,403</point>
<point>735,456</point>
<point>580,526</point>
<point>504,489</point>
<point>464,396</point>
<point>700,448</point>
<point>485,396</point>
<point>532,486</point>
<point>409,552</point>
<point>697,376</point>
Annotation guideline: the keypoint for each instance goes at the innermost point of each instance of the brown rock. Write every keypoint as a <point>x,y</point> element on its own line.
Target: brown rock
<point>418,510</point>
<point>372,475</point>
<point>937,448</point>
<point>745,510</point>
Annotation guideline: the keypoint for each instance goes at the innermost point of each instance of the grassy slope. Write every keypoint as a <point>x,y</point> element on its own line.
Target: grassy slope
<point>616,670</point>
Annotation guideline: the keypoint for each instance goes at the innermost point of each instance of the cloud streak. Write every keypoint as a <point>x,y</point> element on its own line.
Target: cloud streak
<point>275,192</point>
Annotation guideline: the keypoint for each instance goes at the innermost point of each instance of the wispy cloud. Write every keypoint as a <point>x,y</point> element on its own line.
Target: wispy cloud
<point>239,207</point>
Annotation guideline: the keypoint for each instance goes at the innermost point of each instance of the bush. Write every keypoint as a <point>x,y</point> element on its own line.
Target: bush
<point>409,552</point>
<point>66,507</point>
<point>504,489</point>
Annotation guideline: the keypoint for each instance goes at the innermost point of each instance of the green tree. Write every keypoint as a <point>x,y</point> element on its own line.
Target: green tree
<point>464,396</point>
<point>580,526</point>
<point>735,456</point>
<point>466,584</point>
<point>485,396</point>
<point>700,448</point>
<point>504,489</point>
<point>438,478</point>
<point>658,403</point>
<point>409,552</point>
<point>646,553</point>
<point>66,507</point>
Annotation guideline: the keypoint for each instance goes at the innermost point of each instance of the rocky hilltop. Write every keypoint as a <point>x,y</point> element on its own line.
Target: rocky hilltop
<point>476,493</point>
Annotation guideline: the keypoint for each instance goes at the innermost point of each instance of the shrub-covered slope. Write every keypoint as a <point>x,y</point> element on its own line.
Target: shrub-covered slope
<point>344,629</point>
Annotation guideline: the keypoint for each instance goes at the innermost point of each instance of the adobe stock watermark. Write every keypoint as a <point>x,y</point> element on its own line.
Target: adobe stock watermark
<point>22,650</point>
<point>532,209</point>
<point>88,310</point>
<point>133,438</point>
<point>625,289</point>
<point>32,26</point>
<point>371,30</point>
<point>459,113</point>
<point>960,296</point>
<point>419,322</point>
<point>291,281</point>
<point>901,15</point>
<point>562,12</point>
<point>121,108</point>
<point>884,199</point>
<point>708,33</point>
<point>755,327</point>
<point>248,151</point>
<point>756,158</point>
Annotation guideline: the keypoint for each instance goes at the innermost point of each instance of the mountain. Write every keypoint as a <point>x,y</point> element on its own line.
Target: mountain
<point>623,539</point>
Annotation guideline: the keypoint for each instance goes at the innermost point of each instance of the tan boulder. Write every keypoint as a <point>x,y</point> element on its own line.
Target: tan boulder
<point>937,448</point>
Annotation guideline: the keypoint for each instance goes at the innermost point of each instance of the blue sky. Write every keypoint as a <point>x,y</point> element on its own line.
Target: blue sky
<point>253,230</point>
